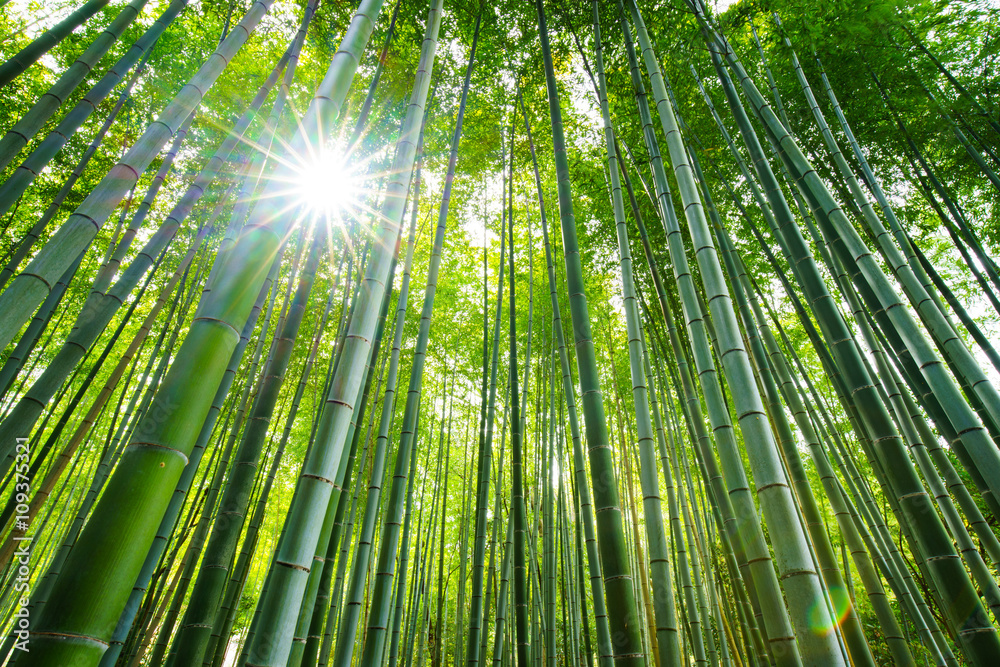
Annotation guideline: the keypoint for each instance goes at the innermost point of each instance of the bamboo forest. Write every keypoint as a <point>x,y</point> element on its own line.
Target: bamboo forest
<point>523,333</point>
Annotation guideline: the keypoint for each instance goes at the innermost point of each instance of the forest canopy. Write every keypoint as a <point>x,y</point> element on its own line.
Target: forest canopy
<point>539,333</point>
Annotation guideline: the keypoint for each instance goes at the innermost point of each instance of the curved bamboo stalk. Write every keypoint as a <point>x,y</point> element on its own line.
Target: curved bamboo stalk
<point>379,611</point>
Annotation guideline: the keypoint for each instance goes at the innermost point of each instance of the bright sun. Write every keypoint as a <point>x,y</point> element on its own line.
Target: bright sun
<point>326,186</point>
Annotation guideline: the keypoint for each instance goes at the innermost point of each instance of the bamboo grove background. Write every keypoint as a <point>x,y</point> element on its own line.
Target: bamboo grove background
<point>641,333</point>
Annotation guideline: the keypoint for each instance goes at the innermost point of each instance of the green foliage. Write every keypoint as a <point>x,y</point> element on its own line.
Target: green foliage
<point>852,38</point>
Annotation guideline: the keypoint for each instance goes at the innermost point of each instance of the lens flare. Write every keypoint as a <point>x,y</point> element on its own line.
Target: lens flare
<point>820,620</point>
<point>326,185</point>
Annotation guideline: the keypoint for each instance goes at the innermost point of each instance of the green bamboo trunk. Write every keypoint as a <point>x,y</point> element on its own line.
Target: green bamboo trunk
<point>15,258</point>
<point>667,640</point>
<point>382,592</point>
<point>52,99</point>
<point>88,596</point>
<point>194,633</point>
<point>362,550</point>
<point>696,615</point>
<point>842,610</point>
<point>27,56</point>
<point>605,651</point>
<point>888,624</point>
<point>778,623</point>
<point>27,290</point>
<point>618,587</point>
<point>518,511</point>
